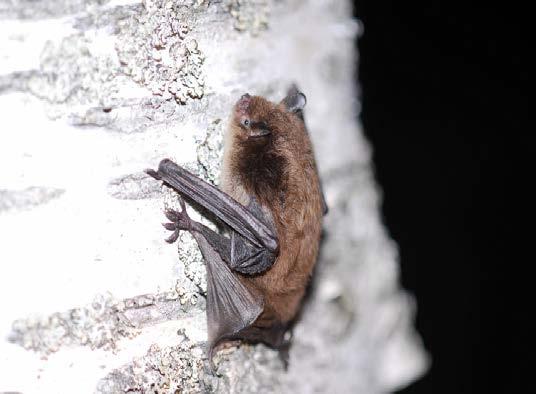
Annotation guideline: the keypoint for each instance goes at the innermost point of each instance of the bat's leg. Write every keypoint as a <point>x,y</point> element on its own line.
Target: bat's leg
<point>181,221</point>
<point>273,335</point>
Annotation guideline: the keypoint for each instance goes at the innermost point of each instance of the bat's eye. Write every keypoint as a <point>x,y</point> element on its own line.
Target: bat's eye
<point>246,122</point>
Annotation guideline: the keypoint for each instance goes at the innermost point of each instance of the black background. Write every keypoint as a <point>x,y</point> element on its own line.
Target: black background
<point>445,105</point>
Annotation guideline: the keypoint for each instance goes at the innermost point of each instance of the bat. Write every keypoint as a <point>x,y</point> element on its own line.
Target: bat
<point>272,203</point>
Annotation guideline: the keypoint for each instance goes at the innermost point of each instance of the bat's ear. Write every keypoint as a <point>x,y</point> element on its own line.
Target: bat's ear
<point>295,100</point>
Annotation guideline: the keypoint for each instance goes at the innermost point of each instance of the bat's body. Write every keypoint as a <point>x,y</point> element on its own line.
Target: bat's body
<point>273,204</point>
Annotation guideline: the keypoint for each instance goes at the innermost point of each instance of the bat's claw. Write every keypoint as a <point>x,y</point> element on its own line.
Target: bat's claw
<point>172,215</point>
<point>178,221</point>
<point>173,237</point>
<point>170,226</point>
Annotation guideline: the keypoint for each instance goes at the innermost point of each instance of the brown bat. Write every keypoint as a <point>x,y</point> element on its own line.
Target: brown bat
<point>272,202</point>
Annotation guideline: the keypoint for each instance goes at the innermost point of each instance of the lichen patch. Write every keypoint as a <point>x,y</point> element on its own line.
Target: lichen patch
<point>156,49</point>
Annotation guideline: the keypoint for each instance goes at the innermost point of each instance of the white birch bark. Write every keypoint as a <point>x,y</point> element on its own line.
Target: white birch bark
<point>94,91</point>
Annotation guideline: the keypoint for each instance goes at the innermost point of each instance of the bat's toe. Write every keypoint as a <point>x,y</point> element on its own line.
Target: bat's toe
<point>170,226</point>
<point>172,215</point>
<point>173,237</point>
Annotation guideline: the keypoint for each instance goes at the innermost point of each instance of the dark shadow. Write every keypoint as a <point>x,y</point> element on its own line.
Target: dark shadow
<point>445,105</point>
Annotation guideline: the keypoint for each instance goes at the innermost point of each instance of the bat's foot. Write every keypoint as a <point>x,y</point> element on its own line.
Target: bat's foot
<point>179,221</point>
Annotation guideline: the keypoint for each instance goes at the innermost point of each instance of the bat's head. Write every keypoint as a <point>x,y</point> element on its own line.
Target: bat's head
<point>251,118</point>
<point>262,139</point>
<point>256,119</point>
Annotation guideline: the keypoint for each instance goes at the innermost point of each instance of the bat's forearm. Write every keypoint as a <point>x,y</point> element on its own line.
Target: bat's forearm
<point>253,246</point>
<point>217,202</point>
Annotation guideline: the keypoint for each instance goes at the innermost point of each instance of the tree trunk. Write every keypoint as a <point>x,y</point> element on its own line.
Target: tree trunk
<point>95,91</point>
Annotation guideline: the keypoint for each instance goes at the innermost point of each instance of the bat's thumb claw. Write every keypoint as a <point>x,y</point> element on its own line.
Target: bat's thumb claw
<point>153,173</point>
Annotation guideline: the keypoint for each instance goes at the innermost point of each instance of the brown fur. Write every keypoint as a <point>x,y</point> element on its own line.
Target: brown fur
<point>280,171</point>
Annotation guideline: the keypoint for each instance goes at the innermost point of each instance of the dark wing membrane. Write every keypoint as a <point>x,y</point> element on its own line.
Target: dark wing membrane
<point>245,257</point>
<point>231,306</point>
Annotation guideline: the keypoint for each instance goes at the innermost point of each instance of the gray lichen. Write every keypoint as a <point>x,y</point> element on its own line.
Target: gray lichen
<point>104,322</point>
<point>17,81</point>
<point>150,52</point>
<point>149,309</point>
<point>98,325</point>
<point>175,369</point>
<point>27,198</point>
<point>184,368</point>
<point>248,369</point>
<point>155,49</point>
<point>83,82</point>
<point>192,263</point>
<point>249,15</point>
<point>209,143</point>
<point>72,76</point>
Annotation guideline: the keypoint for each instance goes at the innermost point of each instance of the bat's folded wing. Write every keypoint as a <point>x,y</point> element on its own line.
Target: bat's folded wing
<point>231,306</point>
<point>218,202</point>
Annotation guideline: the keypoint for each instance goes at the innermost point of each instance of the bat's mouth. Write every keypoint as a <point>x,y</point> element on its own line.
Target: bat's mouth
<point>259,133</point>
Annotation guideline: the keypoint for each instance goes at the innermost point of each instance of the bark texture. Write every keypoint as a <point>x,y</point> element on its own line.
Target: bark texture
<point>92,92</point>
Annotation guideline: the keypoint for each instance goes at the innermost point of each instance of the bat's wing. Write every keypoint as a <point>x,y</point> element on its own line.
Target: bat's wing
<point>253,246</point>
<point>234,214</point>
<point>231,306</point>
